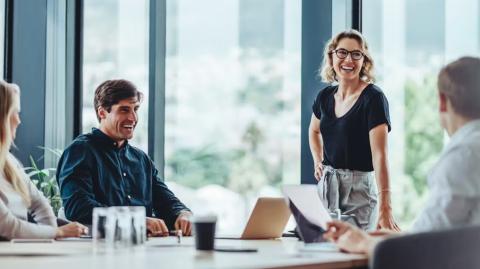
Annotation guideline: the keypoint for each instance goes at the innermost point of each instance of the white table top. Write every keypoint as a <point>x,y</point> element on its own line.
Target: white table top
<point>167,253</point>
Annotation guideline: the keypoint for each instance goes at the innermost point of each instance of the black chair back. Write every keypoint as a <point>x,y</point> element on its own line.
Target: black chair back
<point>447,249</point>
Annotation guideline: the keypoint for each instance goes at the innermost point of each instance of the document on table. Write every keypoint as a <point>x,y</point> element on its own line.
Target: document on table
<point>307,201</point>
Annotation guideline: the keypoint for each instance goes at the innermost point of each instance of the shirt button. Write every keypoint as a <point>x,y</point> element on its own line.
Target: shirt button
<point>129,197</point>
<point>115,144</point>
<point>124,174</point>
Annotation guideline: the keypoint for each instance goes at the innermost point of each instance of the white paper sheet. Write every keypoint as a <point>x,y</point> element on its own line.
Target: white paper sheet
<point>307,201</point>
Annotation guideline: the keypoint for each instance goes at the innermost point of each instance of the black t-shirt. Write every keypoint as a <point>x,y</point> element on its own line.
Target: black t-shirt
<point>346,143</point>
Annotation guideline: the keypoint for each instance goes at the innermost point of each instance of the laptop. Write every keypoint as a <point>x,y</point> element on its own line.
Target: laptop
<point>267,220</point>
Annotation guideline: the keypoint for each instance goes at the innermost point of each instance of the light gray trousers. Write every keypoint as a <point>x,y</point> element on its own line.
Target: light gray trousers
<point>353,192</point>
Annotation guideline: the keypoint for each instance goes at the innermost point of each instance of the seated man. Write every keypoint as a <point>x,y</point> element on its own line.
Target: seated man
<point>454,181</point>
<point>101,168</point>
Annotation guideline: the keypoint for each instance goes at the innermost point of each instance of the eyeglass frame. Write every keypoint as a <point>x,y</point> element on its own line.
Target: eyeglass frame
<point>349,52</point>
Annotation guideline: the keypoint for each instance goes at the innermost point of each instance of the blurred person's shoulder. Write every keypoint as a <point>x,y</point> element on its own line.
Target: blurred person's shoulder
<point>458,168</point>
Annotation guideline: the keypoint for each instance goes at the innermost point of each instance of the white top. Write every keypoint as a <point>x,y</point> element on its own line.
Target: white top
<point>13,211</point>
<point>454,183</point>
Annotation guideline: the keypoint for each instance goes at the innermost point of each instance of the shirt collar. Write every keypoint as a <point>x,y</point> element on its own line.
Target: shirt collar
<point>463,133</point>
<point>105,139</point>
<point>457,138</point>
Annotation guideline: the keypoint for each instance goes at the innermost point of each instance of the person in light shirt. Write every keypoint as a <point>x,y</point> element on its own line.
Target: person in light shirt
<point>454,181</point>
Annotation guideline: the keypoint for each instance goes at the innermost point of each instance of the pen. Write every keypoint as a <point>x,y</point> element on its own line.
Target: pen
<point>179,236</point>
<point>177,233</point>
<point>339,214</point>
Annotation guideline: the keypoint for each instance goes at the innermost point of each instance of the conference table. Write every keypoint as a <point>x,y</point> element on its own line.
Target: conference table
<point>166,252</point>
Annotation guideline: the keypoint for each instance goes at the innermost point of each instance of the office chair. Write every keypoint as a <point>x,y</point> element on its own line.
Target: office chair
<point>453,248</point>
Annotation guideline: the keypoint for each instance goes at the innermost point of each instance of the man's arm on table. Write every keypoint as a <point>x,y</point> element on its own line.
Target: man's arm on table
<point>168,207</point>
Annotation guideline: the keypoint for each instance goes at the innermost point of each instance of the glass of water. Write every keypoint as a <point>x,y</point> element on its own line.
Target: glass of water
<point>100,215</point>
<point>119,226</point>
<point>139,227</point>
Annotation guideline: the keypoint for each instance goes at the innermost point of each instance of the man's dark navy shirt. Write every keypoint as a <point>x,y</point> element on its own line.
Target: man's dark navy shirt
<point>94,172</point>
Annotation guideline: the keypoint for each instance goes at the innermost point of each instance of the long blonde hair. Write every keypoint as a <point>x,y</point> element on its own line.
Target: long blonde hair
<point>326,70</point>
<point>9,99</point>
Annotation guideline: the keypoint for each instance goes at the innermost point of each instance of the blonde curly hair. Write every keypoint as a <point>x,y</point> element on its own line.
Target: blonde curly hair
<point>327,72</point>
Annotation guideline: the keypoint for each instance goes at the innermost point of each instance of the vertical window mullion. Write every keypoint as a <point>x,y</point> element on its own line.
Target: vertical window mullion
<point>157,50</point>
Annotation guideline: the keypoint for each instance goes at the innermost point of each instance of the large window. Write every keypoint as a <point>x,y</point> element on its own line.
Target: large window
<point>232,130</point>
<point>410,40</point>
<point>116,46</point>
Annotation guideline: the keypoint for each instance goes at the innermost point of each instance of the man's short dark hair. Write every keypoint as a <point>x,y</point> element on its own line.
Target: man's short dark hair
<point>112,91</point>
<point>460,81</point>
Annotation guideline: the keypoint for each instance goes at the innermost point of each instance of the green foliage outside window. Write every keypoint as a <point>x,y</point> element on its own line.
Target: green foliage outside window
<point>193,166</point>
<point>242,170</point>
<point>423,140</point>
<point>247,167</point>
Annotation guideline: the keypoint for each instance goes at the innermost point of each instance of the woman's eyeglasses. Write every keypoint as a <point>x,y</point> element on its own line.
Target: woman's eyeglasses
<point>343,53</point>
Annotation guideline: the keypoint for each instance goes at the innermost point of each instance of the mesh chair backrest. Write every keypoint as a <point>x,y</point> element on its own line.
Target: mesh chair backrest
<point>454,248</point>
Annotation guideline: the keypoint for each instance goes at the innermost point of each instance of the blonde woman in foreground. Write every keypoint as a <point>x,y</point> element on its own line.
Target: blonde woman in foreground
<point>18,195</point>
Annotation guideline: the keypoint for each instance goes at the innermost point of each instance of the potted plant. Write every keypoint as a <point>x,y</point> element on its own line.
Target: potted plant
<point>45,180</point>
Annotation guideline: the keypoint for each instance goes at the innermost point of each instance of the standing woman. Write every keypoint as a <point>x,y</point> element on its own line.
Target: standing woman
<point>348,135</point>
<point>18,195</point>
